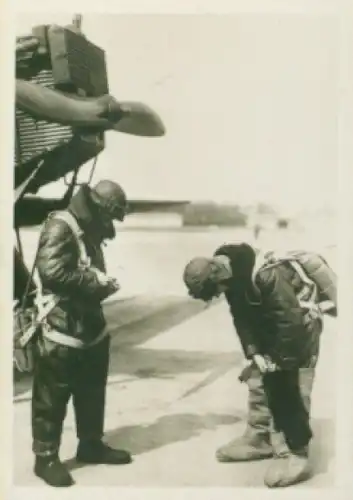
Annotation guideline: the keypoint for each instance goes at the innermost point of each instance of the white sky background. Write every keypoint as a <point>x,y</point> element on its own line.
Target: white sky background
<point>249,102</point>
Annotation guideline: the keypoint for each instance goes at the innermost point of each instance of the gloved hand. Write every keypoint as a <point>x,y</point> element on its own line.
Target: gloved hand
<point>106,280</point>
<point>264,363</point>
<point>113,285</point>
<point>102,278</point>
<point>261,362</point>
<point>271,366</point>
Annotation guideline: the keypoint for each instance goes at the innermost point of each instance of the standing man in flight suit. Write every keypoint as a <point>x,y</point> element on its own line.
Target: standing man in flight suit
<point>72,353</point>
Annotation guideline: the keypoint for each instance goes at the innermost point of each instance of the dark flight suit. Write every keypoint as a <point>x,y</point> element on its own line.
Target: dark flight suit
<point>62,371</point>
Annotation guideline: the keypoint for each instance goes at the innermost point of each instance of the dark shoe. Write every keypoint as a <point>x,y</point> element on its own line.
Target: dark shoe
<point>53,472</point>
<point>250,446</point>
<point>288,470</point>
<point>100,453</point>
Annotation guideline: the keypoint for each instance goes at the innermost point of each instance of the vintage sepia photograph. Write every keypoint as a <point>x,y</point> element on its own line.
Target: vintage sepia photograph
<point>175,250</point>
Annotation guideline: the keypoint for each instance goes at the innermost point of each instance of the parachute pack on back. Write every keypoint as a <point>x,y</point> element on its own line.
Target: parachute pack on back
<point>312,269</point>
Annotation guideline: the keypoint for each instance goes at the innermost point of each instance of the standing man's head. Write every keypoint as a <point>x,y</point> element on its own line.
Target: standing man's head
<point>110,200</point>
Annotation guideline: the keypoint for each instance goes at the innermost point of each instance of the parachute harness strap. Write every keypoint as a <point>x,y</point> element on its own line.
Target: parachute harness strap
<point>46,302</point>
<point>93,169</point>
<point>309,304</point>
<point>30,279</point>
<point>69,219</point>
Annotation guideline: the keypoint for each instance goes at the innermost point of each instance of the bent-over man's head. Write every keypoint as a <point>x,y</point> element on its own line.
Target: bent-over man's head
<point>206,278</point>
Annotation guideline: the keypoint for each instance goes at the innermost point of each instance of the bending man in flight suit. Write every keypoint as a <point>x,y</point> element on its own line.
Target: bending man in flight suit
<point>270,325</point>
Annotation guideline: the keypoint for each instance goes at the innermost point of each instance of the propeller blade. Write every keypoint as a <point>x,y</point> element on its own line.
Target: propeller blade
<point>104,112</point>
<point>139,119</point>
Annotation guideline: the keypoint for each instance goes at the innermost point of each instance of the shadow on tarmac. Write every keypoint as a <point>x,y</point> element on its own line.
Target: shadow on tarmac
<point>150,363</point>
<point>168,429</point>
<point>128,358</point>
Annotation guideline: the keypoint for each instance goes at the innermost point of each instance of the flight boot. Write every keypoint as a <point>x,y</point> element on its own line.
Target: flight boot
<point>255,443</point>
<point>52,471</point>
<point>97,452</point>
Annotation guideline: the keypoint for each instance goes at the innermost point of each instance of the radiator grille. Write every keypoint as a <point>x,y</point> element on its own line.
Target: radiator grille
<point>77,63</point>
<point>35,137</point>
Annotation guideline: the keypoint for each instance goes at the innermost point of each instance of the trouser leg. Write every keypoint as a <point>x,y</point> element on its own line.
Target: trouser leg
<point>259,415</point>
<point>89,391</point>
<point>290,468</point>
<point>51,393</point>
<point>254,444</point>
<point>287,407</point>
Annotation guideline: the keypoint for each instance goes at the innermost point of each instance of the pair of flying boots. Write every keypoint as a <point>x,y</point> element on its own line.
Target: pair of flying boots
<point>261,441</point>
<point>55,473</point>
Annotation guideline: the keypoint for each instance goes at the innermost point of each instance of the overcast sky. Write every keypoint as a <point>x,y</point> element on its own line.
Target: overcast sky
<point>249,102</point>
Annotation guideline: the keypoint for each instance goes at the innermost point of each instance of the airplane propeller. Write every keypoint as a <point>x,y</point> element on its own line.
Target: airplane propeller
<point>139,119</point>
<point>103,113</point>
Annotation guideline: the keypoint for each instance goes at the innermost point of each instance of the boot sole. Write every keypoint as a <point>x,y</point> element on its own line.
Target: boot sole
<point>302,479</point>
<point>225,459</point>
<point>93,462</point>
<point>54,485</point>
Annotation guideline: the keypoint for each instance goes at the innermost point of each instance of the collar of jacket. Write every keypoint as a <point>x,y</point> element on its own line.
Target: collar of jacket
<point>223,271</point>
<point>260,262</point>
<point>82,209</point>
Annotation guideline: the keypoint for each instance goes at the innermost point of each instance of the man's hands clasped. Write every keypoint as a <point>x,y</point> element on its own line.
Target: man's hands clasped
<point>110,283</point>
<point>264,363</point>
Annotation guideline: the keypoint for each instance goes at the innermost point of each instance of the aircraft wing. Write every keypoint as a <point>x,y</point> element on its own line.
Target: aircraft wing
<point>33,210</point>
<point>142,206</point>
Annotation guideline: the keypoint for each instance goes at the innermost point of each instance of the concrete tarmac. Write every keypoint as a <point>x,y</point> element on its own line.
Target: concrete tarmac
<point>173,397</point>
